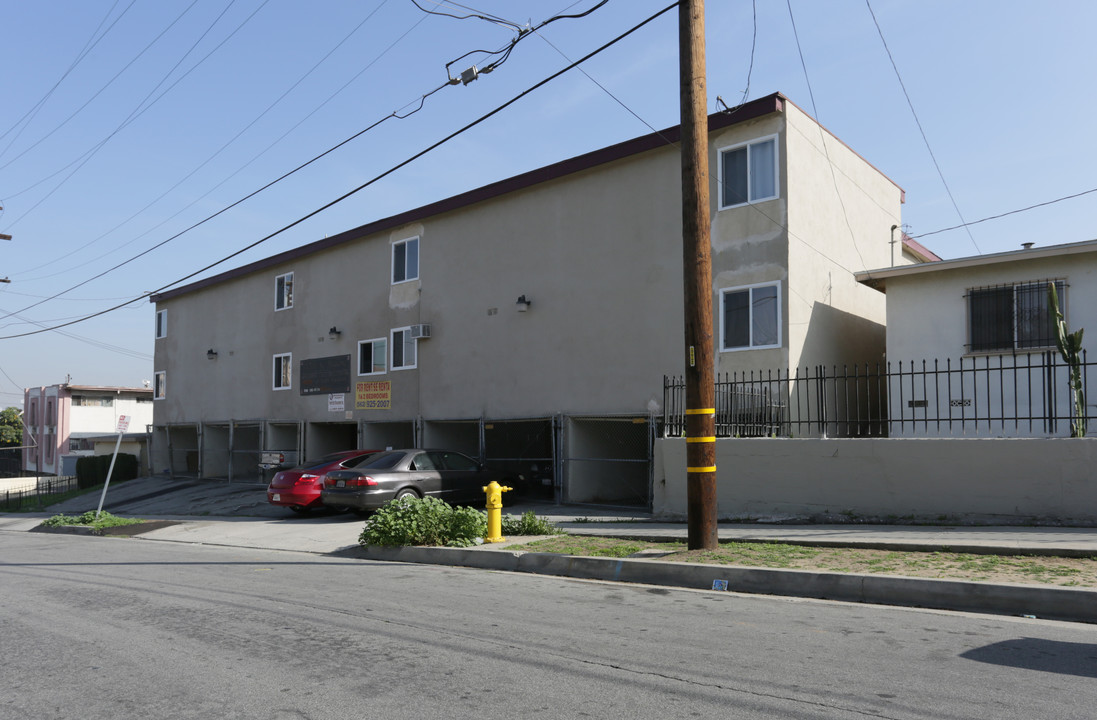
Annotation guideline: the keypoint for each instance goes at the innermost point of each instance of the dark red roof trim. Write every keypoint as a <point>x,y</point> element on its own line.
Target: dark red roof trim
<point>920,249</point>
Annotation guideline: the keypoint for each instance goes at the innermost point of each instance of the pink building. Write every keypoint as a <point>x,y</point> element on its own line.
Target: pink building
<point>62,419</point>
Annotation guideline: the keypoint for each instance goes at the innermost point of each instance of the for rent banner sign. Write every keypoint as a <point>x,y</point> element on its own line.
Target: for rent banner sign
<point>375,395</point>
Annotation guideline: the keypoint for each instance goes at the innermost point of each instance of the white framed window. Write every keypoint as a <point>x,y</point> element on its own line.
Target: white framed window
<point>405,260</point>
<point>283,292</point>
<point>748,172</point>
<point>1015,316</point>
<point>750,317</point>
<point>160,385</point>
<point>283,371</point>
<point>372,356</point>
<point>161,324</point>
<point>403,349</point>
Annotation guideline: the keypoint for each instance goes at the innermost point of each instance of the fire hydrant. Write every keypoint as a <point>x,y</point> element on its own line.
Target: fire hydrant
<point>495,511</point>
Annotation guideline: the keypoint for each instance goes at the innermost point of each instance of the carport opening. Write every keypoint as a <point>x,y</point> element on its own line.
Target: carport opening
<point>460,435</point>
<point>524,451</point>
<point>325,438</point>
<point>183,450</point>
<point>388,435</point>
<point>608,461</point>
<point>215,451</point>
<point>247,442</point>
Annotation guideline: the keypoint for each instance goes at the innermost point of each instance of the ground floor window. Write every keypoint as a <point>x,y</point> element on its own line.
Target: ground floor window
<point>283,371</point>
<point>372,356</point>
<point>750,317</point>
<point>1012,317</point>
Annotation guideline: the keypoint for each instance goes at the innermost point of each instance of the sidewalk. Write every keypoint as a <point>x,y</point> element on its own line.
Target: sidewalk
<point>237,515</point>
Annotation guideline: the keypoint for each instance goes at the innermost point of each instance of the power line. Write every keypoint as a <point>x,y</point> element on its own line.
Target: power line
<point>822,137</point>
<point>139,110</point>
<point>1011,212</point>
<point>918,122</point>
<point>754,207</point>
<point>88,47</point>
<point>101,344</point>
<point>368,183</point>
<point>750,68</point>
<point>98,92</point>
<point>473,14</point>
<point>209,159</point>
<point>396,115</point>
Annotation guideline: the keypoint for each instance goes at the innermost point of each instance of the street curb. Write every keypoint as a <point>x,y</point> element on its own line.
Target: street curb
<point>115,531</point>
<point>1056,603</point>
<point>901,545</point>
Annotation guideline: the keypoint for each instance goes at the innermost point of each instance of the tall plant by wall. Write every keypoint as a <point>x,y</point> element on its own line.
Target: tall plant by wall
<point>1070,347</point>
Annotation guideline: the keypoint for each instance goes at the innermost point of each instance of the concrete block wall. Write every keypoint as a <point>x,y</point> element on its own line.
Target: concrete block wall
<point>985,480</point>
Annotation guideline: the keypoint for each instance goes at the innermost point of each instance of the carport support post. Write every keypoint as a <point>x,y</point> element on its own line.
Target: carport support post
<point>697,268</point>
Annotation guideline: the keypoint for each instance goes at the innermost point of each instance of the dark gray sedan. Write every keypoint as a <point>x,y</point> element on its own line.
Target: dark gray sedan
<point>444,474</point>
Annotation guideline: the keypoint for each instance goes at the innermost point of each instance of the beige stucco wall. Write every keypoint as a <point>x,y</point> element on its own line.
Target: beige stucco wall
<point>1003,480</point>
<point>598,253</point>
<point>750,244</point>
<point>927,313</point>
<point>841,210</point>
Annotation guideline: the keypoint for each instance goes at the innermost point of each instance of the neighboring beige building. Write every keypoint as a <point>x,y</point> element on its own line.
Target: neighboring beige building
<point>63,420</point>
<point>530,322</point>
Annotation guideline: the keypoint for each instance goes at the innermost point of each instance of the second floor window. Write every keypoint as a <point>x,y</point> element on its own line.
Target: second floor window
<point>405,260</point>
<point>1012,317</point>
<point>283,291</point>
<point>748,173</point>
<point>161,324</point>
<point>403,349</point>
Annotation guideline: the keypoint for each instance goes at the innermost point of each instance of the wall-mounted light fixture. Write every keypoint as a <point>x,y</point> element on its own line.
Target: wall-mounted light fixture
<point>211,354</point>
<point>334,331</point>
<point>523,304</point>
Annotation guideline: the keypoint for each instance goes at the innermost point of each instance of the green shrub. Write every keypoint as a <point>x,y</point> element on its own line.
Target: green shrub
<point>424,521</point>
<point>105,520</point>
<point>467,526</point>
<point>528,524</point>
<point>92,470</point>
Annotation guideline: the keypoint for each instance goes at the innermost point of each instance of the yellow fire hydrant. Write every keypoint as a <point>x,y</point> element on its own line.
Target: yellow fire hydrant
<point>495,511</point>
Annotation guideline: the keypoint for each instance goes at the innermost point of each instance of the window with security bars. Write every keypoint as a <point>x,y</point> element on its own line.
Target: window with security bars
<point>1012,317</point>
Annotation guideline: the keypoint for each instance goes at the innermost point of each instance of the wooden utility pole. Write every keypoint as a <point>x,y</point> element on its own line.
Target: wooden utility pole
<point>697,266</point>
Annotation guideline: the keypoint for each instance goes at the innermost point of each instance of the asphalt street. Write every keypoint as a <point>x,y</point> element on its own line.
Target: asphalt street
<point>237,515</point>
<point>114,628</point>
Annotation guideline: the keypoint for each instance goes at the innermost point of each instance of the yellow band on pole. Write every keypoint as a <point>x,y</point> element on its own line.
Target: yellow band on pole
<point>700,439</point>
<point>702,411</point>
<point>701,469</point>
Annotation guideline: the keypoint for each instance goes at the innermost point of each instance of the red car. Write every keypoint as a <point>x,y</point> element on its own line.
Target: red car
<point>299,488</point>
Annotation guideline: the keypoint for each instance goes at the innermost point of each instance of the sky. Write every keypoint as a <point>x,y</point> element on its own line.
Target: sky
<point>129,128</point>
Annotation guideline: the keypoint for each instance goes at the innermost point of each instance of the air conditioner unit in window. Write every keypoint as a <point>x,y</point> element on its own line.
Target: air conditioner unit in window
<point>420,331</point>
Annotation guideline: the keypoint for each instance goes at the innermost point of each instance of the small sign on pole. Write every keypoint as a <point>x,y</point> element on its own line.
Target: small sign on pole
<point>123,426</point>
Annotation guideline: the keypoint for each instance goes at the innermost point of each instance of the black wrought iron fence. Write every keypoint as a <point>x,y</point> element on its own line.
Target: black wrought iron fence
<point>1024,395</point>
<point>35,496</point>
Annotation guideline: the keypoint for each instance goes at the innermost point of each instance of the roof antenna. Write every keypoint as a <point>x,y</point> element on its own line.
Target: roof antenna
<point>721,101</point>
